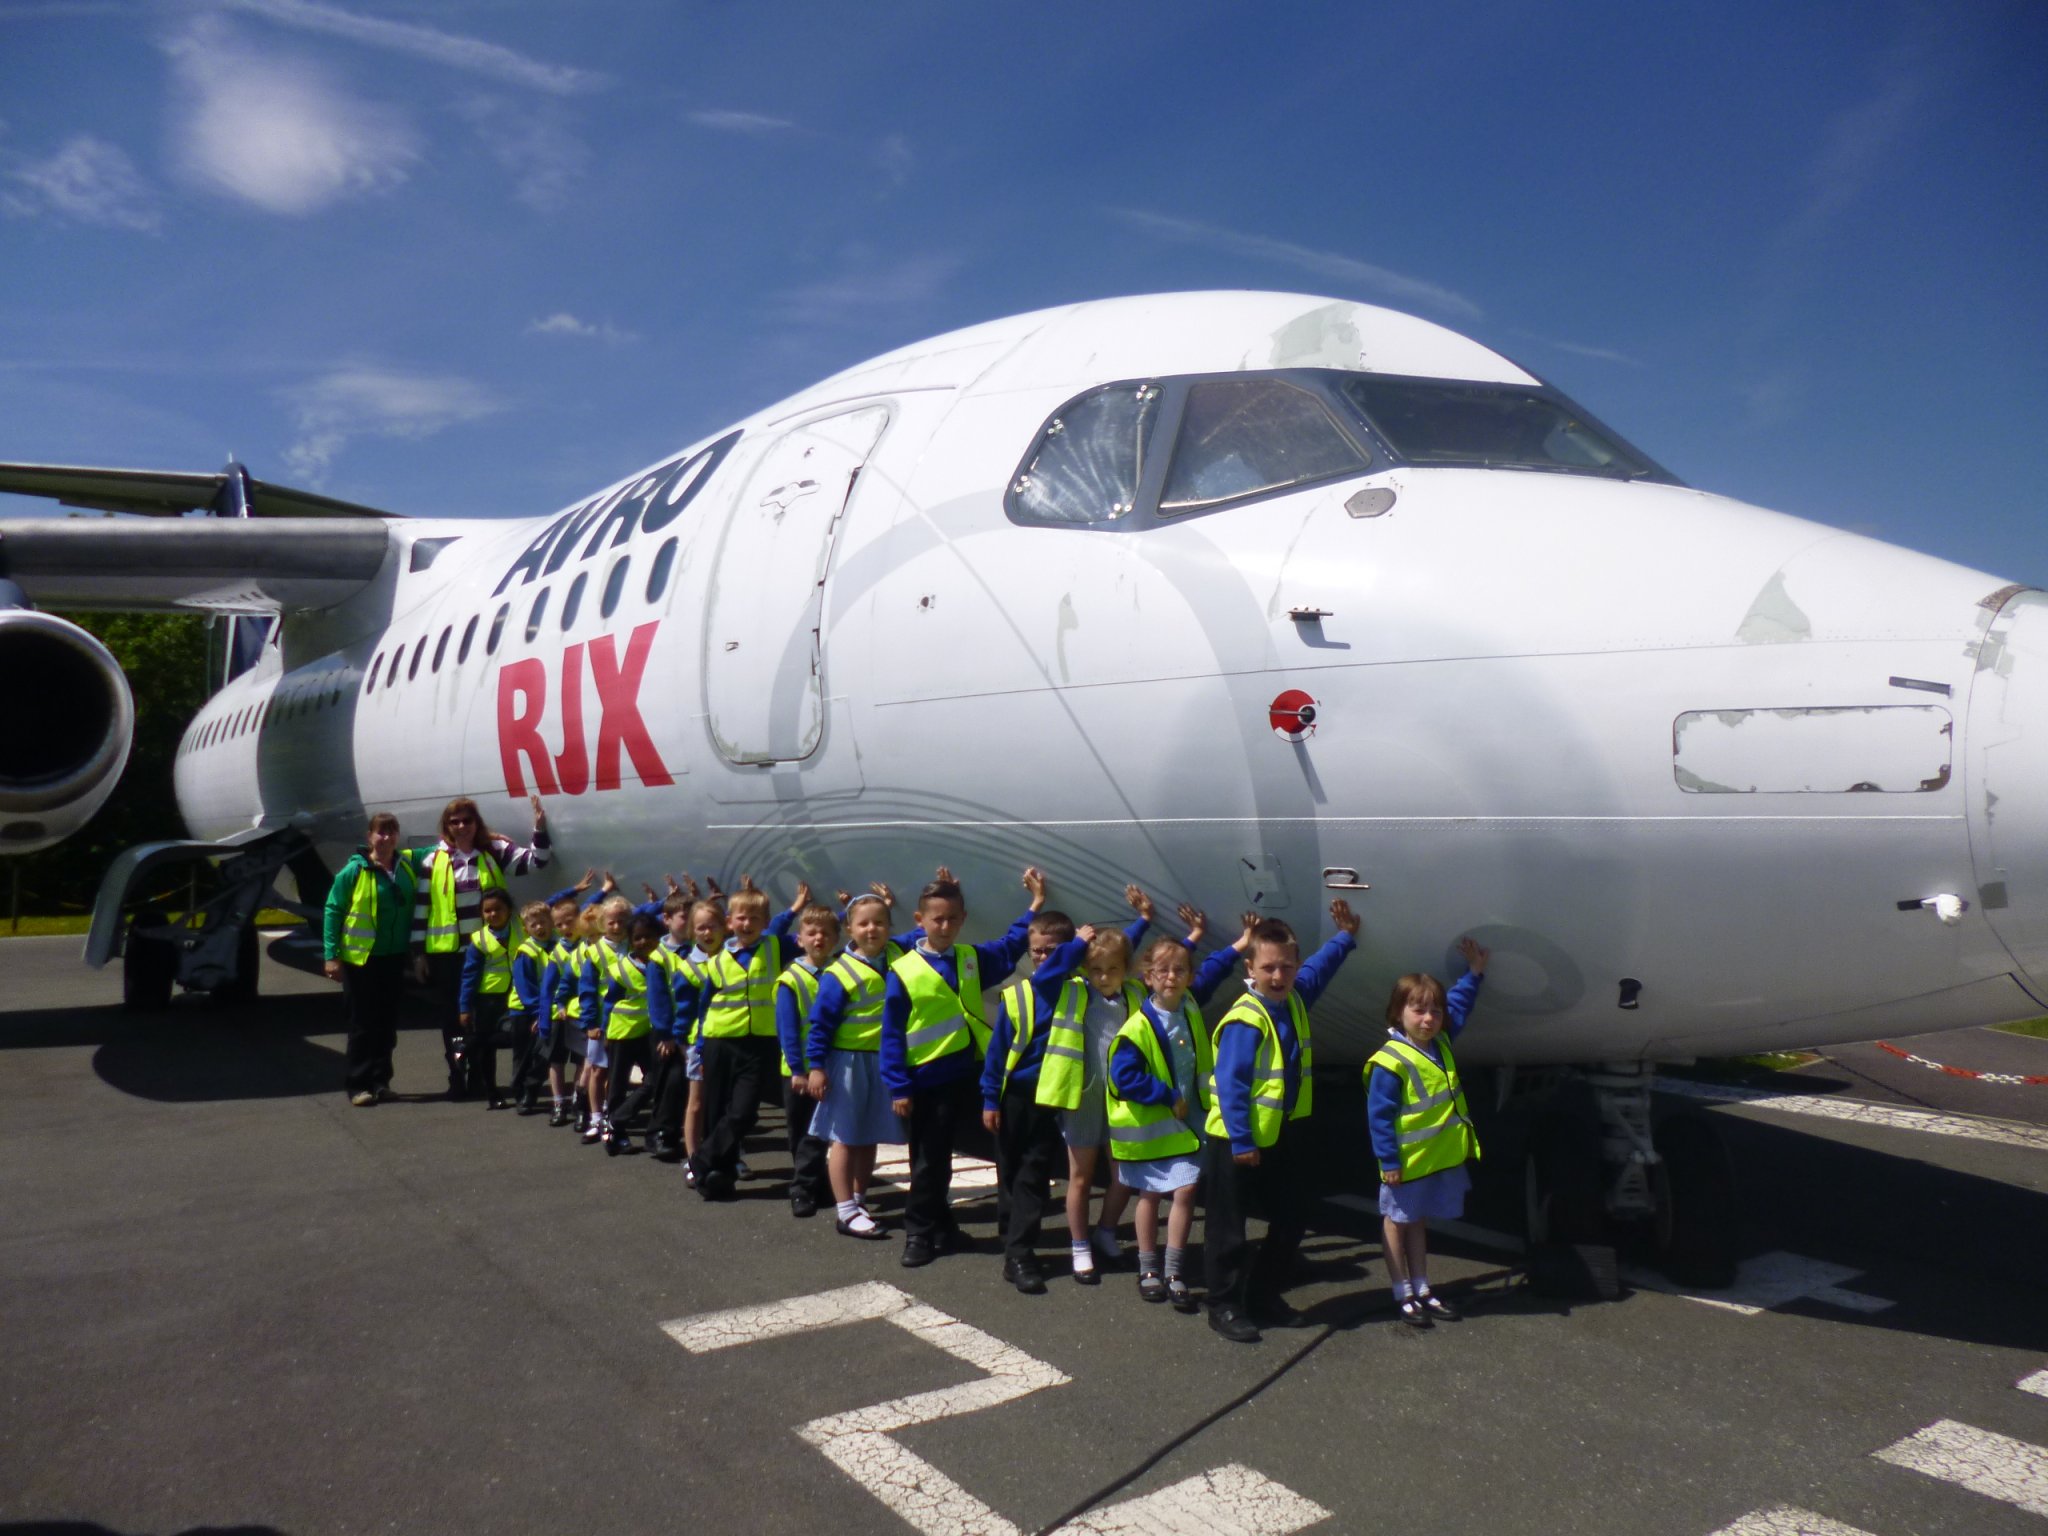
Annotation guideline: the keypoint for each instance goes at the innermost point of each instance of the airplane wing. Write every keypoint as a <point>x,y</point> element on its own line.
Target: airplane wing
<point>203,564</point>
<point>166,493</point>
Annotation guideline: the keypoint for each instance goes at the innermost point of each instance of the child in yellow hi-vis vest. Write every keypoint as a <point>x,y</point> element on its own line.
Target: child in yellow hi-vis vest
<point>1421,1131</point>
<point>1263,1085</point>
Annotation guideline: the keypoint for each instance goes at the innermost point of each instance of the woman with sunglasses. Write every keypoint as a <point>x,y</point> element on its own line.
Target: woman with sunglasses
<point>453,876</point>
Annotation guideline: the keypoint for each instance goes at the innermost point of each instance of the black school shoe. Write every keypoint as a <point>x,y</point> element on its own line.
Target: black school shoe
<point>1438,1309</point>
<point>1151,1285</point>
<point>560,1117</point>
<point>666,1149</point>
<point>802,1205</point>
<point>1233,1325</point>
<point>1413,1315</point>
<point>1025,1275</point>
<point>918,1252</point>
<point>1182,1298</point>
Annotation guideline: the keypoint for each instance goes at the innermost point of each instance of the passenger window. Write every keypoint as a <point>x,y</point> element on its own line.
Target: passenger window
<point>1239,437</point>
<point>573,601</point>
<point>441,646</point>
<point>419,650</point>
<point>538,612</point>
<point>370,677</point>
<point>1089,459</point>
<point>468,637</point>
<point>657,575</point>
<point>497,629</point>
<point>614,584</point>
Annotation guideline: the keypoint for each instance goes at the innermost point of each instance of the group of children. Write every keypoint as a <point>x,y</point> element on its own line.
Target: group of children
<point>684,1007</point>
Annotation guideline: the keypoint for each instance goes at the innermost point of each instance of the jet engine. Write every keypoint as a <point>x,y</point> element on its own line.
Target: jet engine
<point>67,719</point>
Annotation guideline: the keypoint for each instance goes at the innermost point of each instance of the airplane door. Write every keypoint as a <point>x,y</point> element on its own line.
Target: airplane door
<point>763,662</point>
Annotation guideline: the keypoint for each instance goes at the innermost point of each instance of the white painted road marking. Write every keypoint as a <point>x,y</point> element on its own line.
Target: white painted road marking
<point>1231,1500</point>
<point>1770,1280</point>
<point>2004,1133</point>
<point>972,1178</point>
<point>2036,1383</point>
<point>1787,1521</point>
<point>1997,1466</point>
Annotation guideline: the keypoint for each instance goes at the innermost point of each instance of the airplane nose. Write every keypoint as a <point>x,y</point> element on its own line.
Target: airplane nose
<point>2006,780</point>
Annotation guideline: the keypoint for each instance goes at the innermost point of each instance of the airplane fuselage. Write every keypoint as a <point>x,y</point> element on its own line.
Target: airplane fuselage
<point>1686,766</point>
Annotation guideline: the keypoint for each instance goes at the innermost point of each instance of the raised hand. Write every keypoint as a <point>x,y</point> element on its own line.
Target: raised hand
<point>1035,883</point>
<point>881,889</point>
<point>589,879</point>
<point>1342,915</point>
<point>1476,955</point>
<point>1140,903</point>
<point>803,896</point>
<point>1195,922</point>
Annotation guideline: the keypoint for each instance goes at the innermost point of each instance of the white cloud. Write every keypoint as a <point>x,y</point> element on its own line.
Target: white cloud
<point>471,54</point>
<point>725,121</point>
<point>87,180</point>
<point>535,146</point>
<point>855,295</point>
<point>562,323</point>
<point>1332,264</point>
<point>365,401</point>
<point>1578,349</point>
<point>1857,143</point>
<point>895,158</point>
<point>275,132</point>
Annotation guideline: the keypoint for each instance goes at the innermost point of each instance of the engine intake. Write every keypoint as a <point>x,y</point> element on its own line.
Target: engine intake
<point>69,722</point>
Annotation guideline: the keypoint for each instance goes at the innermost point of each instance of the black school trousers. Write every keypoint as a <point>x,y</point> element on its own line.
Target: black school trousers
<point>936,1115</point>
<point>529,1061</point>
<point>1241,1273</point>
<point>806,1152</point>
<point>736,1070</point>
<point>480,1045</point>
<point>1030,1153</point>
<point>671,1093</point>
<point>444,993</point>
<point>370,994</point>
<point>623,1100</point>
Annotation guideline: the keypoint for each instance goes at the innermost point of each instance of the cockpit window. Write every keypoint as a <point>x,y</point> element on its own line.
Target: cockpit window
<point>1087,463</point>
<point>1491,426</point>
<point>1239,437</point>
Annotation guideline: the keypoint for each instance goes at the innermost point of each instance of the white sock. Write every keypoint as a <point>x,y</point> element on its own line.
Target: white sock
<point>1402,1290</point>
<point>1422,1285</point>
<point>1084,1260</point>
<point>846,1208</point>
<point>860,1221</point>
<point>1148,1259</point>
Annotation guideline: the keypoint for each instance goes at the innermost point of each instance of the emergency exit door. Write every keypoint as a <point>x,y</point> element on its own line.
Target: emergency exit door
<point>764,682</point>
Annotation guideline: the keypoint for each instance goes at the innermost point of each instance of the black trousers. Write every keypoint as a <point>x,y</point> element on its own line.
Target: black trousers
<point>444,992</point>
<point>480,1045</point>
<point>1240,1273</point>
<point>1029,1153</point>
<point>736,1070</point>
<point>624,1101</point>
<point>936,1115</point>
<point>529,1061</point>
<point>671,1093</point>
<point>370,994</point>
<point>806,1152</point>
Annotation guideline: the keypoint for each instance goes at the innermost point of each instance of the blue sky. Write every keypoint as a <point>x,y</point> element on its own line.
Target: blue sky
<point>481,256</point>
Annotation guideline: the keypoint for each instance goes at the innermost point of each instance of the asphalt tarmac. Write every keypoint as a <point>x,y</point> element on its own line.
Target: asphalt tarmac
<point>233,1301</point>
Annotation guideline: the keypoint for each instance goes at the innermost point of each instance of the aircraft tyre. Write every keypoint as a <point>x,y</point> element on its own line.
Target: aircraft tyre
<point>241,992</point>
<point>148,966</point>
<point>1562,1203</point>
<point>1694,1231</point>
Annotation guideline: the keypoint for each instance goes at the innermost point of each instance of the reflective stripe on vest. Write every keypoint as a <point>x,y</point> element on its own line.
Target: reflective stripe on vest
<point>943,1019</point>
<point>443,930</point>
<point>1269,1070</point>
<point>1141,1131</point>
<point>1065,1072</point>
<point>1023,1005</point>
<point>532,949</point>
<point>359,923</point>
<point>571,957</point>
<point>802,981</point>
<point>496,980</point>
<point>625,1017</point>
<point>865,984</point>
<point>1434,1128</point>
<point>742,996</point>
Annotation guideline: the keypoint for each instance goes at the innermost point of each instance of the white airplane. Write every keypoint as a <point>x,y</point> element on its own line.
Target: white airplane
<point>1252,598</point>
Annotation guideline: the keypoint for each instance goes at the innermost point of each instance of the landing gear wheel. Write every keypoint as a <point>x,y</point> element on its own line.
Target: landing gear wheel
<point>241,992</point>
<point>1694,1232</point>
<point>1562,1184</point>
<point>148,966</point>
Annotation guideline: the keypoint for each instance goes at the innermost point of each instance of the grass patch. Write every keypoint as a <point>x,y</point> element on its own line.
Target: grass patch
<point>45,927</point>
<point>1778,1061</point>
<point>2038,1028</point>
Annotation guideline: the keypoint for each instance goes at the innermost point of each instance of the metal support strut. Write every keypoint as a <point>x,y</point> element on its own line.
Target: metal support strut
<point>1621,1090</point>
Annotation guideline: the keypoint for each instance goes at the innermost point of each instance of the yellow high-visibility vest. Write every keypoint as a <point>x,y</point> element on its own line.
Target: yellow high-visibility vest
<point>1269,1071</point>
<point>1434,1128</point>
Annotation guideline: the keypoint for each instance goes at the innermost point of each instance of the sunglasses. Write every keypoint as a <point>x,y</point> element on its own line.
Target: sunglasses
<point>461,821</point>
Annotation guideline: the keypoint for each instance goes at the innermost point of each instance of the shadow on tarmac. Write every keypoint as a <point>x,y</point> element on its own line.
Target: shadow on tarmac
<point>87,1528</point>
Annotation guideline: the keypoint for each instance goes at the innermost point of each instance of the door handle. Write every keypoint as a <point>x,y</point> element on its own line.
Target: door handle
<point>1341,877</point>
